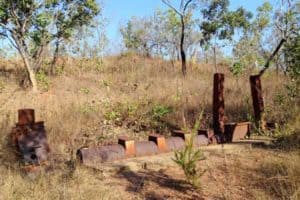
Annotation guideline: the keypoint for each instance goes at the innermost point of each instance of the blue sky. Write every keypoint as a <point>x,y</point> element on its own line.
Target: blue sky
<point>119,11</point>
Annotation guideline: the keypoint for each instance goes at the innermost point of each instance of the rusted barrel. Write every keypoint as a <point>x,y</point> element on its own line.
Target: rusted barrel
<point>31,141</point>
<point>94,155</point>
<point>175,143</point>
<point>201,140</point>
<point>146,148</point>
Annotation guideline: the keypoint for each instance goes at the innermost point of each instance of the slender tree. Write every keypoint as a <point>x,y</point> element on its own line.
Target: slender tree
<point>31,25</point>
<point>185,7</point>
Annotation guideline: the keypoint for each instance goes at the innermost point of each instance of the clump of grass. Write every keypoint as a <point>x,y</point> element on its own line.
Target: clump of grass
<point>2,86</point>
<point>282,177</point>
<point>160,111</point>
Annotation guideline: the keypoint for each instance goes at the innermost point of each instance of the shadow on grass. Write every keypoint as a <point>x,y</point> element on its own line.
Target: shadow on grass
<point>157,185</point>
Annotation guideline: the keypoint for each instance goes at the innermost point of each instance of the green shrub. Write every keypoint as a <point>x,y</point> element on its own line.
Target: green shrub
<point>160,111</point>
<point>43,80</point>
<point>237,68</point>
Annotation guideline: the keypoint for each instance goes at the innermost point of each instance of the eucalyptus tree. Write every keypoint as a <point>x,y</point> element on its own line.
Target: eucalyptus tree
<point>31,25</point>
<point>252,49</point>
<point>219,23</point>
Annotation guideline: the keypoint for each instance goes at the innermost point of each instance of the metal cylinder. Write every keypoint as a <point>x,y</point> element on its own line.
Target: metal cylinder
<point>146,148</point>
<point>218,104</point>
<point>201,140</point>
<point>175,143</point>
<point>95,155</point>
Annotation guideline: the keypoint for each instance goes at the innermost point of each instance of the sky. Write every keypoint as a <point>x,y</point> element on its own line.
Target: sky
<point>118,12</point>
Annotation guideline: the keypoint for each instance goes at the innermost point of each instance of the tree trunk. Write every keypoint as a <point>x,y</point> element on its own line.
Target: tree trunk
<point>31,74</point>
<point>215,59</point>
<point>55,57</point>
<point>182,52</point>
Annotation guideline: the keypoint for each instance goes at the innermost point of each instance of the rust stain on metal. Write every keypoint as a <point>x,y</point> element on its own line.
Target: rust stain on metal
<point>179,133</point>
<point>26,116</point>
<point>218,104</point>
<point>160,141</point>
<point>237,131</point>
<point>128,144</point>
<point>30,139</point>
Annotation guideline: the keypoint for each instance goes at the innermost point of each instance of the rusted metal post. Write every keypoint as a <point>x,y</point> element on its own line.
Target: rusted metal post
<point>160,141</point>
<point>257,100</point>
<point>218,104</point>
<point>128,144</point>
<point>26,116</point>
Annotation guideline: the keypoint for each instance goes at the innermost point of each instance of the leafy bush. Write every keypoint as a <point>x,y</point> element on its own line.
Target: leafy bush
<point>43,80</point>
<point>160,111</point>
<point>237,68</point>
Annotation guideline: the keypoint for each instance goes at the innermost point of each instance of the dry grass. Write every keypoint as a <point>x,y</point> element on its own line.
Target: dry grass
<point>92,102</point>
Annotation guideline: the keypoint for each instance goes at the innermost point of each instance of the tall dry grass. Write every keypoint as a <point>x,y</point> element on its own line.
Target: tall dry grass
<point>92,102</point>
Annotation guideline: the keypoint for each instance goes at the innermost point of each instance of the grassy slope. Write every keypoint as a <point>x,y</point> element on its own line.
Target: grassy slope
<point>91,103</point>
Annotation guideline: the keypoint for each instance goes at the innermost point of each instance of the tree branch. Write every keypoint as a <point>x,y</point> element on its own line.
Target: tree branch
<point>186,5</point>
<point>271,57</point>
<point>172,7</point>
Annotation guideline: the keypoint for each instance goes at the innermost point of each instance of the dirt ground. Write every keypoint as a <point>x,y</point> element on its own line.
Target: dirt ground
<point>233,171</point>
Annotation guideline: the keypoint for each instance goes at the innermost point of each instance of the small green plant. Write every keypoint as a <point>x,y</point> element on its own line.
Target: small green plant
<point>99,66</point>
<point>237,69</point>
<point>85,90</point>
<point>43,80</point>
<point>59,70</point>
<point>112,115</point>
<point>87,108</point>
<point>188,157</point>
<point>160,111</point>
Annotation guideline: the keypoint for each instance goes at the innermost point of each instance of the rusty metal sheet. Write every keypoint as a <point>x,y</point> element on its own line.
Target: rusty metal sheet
<point>237,131</point>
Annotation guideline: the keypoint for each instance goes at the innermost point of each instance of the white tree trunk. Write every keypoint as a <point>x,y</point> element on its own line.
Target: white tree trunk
<point>31,74</point>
